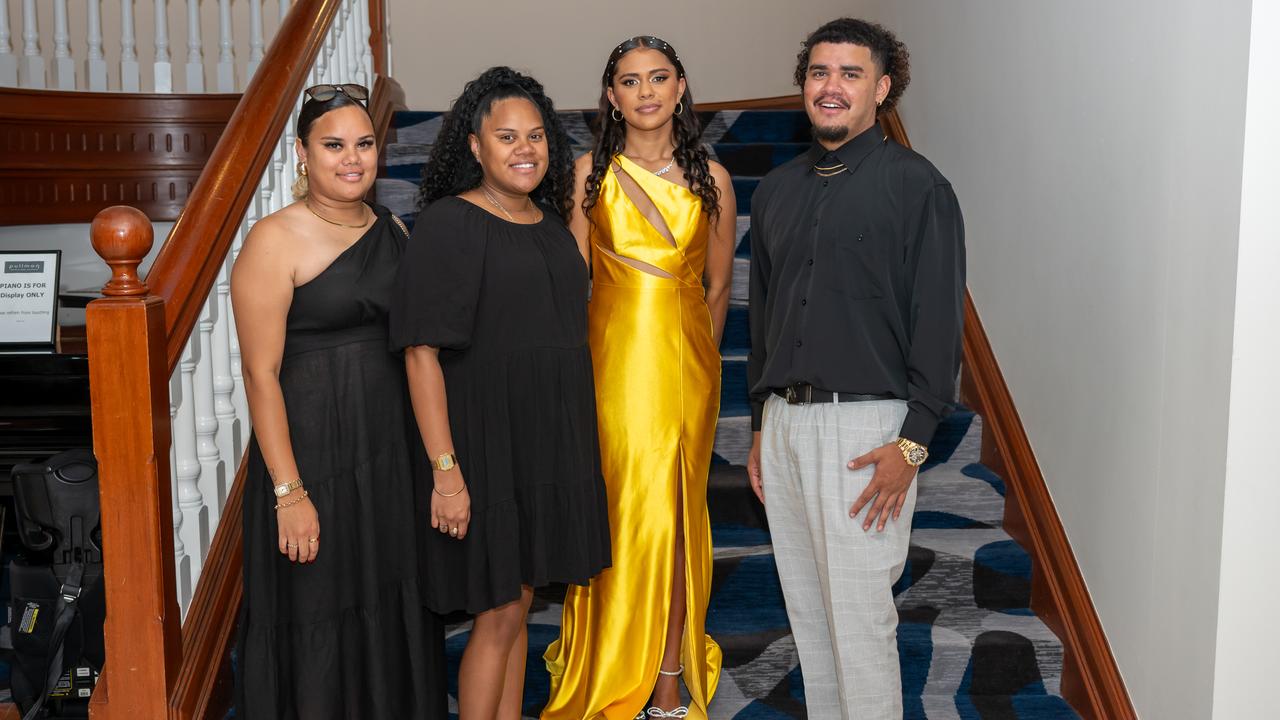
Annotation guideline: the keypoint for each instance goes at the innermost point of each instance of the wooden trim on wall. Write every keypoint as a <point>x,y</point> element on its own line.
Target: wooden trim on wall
<point>70,154</point>
<point>781,102</point>
<point>1091,680</point>
<point>378,36</point>
<point>387,99</point>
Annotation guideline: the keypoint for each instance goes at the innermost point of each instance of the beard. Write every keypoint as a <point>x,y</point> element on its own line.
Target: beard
<point>830,133</point>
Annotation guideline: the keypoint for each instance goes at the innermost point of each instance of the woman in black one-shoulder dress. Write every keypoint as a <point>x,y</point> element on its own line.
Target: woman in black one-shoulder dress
<point>333,623</point>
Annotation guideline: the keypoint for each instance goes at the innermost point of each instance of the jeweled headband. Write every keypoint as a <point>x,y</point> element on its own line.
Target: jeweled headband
<point>639,41</point>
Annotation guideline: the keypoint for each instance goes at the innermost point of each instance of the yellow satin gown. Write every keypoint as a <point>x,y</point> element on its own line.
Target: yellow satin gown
<point>657,376</point>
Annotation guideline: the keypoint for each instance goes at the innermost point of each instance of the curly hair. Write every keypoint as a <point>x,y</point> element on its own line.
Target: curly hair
<point>886,51</point>
<point>452,169</point>
<point>690,153</point>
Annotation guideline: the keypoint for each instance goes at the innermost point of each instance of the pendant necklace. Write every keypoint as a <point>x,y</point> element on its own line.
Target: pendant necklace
<point>497,204</point>
<point>665,169</point>
<point>335,222</point>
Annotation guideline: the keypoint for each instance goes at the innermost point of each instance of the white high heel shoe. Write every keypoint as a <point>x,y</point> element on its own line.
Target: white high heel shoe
<point>657,712</point>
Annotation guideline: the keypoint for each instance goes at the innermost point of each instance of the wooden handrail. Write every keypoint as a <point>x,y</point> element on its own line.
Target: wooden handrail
<point>184,271</point>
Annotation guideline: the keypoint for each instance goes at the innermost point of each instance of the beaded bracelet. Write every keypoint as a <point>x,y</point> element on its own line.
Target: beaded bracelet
<point>295,501</point>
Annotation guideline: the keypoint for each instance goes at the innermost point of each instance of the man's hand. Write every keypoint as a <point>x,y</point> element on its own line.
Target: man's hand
<point>753,466</point>
<point>888,487</point>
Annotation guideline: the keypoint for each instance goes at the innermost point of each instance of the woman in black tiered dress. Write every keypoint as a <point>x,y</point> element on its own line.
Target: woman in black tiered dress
<point>491,308</point>
<point>333,623</point>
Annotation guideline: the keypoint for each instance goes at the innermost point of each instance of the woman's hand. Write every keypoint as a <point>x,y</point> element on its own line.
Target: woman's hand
<point>299,528</point>
<point>450,515</point>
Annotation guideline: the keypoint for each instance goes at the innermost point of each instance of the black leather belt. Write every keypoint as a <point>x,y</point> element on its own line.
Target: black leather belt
<point>805,394</point>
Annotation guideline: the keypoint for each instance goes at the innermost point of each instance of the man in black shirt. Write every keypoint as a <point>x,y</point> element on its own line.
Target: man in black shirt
<point>857,285</point>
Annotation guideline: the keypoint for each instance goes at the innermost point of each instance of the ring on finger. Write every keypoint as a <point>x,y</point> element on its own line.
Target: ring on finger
<point>291,545</point>
<point>453,531</point>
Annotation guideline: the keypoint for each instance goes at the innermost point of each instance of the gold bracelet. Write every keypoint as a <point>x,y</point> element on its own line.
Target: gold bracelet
<point>436,490</point>
<point>295,501</point>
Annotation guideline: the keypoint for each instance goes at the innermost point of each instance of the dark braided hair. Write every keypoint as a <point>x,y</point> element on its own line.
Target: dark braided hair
<point>690,153</point>
<point>452,169</point>
<point>889,53</point>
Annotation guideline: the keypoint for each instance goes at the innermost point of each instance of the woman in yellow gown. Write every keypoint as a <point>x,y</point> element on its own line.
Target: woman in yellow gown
<point>656,221</point>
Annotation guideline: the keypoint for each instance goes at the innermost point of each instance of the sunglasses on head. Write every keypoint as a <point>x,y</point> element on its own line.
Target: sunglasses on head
<point>325,93</point>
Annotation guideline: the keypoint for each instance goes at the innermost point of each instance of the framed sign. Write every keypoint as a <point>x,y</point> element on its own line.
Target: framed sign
<point>29,297</point>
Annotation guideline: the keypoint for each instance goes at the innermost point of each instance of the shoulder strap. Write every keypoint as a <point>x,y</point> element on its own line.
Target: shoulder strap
<point>66,612</point>
<point>400,224</point>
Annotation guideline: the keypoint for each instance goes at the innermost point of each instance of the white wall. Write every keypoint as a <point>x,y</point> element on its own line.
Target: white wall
<point>1096,150</point>
<point>732,49</point>
<point>1248,633</point>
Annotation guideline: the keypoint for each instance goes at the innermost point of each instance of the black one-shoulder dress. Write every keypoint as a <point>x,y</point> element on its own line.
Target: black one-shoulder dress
<point>348,635</point>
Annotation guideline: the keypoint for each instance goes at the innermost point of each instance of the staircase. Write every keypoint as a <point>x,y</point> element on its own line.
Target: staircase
<point>969,643</point>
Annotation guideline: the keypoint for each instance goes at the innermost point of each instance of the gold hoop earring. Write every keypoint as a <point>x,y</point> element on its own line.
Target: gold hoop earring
<point>302,168</point>
<point>616,114</point>
<point>679,107</point>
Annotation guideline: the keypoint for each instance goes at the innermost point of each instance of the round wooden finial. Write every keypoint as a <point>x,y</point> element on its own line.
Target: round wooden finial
<point>122,236</point>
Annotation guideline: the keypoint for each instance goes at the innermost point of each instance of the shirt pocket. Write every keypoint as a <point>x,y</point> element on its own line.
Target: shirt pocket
<point>859,267</point>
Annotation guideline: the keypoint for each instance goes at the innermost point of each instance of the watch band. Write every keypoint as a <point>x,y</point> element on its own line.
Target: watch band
<point>913,452</point>
<point>285,488</point>
<point>446,461</point>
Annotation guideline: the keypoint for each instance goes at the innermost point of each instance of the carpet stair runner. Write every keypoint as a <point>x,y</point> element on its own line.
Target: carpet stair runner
<point>970,647</point>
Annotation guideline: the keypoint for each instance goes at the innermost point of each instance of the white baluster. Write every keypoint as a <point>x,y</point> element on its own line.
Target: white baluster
<point>228,437</point>
<point>182,563</point>
<point>366,50</point>
<point>226,49</point>
<point>163,66</point>
<point>386,37</point>
<point>64,68</point>
<point>31,68</point>
<point>213,473</point>
<point>8,61</point>
<point>238,399</point>
<point>195,49</point>
<point>195,516</point>
<point>255,39</point>
<point>130,76</point>
<point>346,50</point>
<point>95,65</point>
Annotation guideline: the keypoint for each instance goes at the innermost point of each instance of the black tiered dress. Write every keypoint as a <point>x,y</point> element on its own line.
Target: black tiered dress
<point>507,306</point>
<point>346,636</point>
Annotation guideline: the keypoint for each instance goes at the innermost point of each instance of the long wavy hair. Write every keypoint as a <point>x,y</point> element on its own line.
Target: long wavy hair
<point>452,169</point>
<point>690,153</point>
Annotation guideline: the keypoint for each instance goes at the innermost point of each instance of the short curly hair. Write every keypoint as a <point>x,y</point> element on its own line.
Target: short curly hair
<point>886,51</point>
<point>452,169</point>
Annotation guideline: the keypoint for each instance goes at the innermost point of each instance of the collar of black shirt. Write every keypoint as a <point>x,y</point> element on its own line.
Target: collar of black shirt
<point>853,151</point>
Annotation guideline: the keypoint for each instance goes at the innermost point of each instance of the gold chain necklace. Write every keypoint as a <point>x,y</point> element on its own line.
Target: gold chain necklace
<point>335,222</point>
<point>498,205</point>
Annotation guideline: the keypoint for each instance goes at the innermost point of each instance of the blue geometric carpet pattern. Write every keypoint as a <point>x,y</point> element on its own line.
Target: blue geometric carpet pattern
<point>970,647</point>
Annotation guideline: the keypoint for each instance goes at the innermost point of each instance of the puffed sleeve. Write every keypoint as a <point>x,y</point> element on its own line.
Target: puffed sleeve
<point>438,284</point>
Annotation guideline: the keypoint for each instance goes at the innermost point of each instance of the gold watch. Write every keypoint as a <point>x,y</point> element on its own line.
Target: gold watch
<point>285,488</point>
<point>447,461</point>
<point>913,452</point>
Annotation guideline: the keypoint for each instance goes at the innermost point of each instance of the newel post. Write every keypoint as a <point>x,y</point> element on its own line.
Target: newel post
<point>129,392</point>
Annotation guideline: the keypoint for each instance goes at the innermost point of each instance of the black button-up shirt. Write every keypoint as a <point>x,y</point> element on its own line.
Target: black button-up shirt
<point>857,280</point>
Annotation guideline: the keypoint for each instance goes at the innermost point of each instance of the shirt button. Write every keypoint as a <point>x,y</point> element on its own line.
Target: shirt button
<point>803,301</point>
<point>810,261</point>
<point>824,183</point>
<point>799,343</point>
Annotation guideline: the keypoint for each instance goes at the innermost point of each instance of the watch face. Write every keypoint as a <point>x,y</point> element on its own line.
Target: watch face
<point>916,455</point>
<point>445,462</point>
